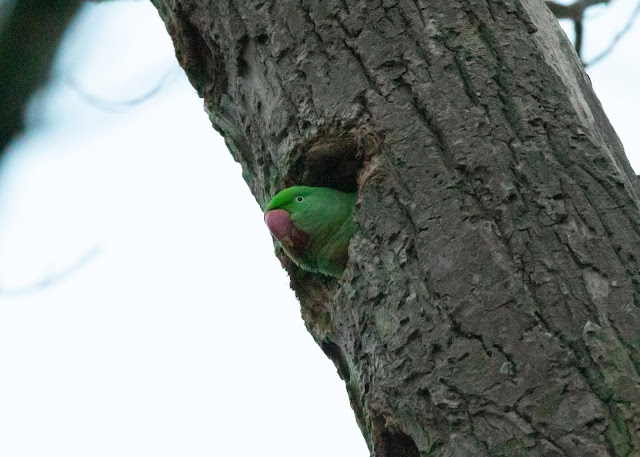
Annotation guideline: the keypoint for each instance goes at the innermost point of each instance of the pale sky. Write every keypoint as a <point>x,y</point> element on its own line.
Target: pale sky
<point>142,311</point>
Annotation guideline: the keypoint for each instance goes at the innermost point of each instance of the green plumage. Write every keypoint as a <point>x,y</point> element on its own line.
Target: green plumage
<point>321,226</point>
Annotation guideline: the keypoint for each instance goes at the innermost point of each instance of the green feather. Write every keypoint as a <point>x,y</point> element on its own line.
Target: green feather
<point>326,215</point>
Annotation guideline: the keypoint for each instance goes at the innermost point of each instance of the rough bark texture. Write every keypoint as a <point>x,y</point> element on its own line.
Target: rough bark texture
<point>490,305</point>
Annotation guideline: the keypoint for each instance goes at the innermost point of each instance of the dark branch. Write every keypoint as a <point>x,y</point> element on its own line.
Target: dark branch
<point>575,12</point>
<point>29,40</point>
<point>577,27</point>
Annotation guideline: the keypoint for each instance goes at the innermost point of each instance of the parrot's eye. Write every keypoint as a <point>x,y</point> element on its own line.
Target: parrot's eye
<point>299,199</point>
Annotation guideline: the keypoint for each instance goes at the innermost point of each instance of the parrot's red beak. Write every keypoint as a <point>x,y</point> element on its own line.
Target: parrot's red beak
<point>279,224</point>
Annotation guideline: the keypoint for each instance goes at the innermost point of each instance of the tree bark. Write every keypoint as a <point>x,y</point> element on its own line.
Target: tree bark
<point>490,305</point>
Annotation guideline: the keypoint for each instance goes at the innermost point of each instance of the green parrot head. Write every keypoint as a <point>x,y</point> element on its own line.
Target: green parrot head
<point>287,207</point>
<point>314,226</point>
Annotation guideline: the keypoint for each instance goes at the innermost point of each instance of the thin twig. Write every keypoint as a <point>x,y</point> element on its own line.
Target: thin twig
<point>575,12</point>
<point>55,278</point>
<point>577,27</point>
<point>616,38</point>
<point>117,106</point>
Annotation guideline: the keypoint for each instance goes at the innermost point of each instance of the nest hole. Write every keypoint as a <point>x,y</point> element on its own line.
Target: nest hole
<point>333,159</point>
<point>396,444</point>
<point>389,441</point>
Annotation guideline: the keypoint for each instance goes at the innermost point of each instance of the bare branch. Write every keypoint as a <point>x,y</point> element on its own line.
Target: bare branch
<point>56,277</point>
<point>575,12</point>
<point>577,27</point>
<point>121,105</point>
<point>617,38</point>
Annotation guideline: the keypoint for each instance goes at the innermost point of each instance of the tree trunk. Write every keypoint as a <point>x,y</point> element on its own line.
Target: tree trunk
<point>490,305</point>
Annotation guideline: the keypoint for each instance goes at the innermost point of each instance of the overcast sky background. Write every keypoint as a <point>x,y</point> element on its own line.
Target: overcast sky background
<point>142,311</point>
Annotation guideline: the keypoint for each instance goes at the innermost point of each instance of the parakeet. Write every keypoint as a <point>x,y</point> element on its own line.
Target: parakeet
<point>314,226</point>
